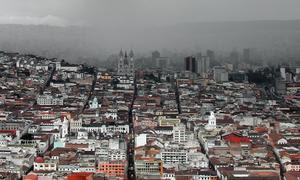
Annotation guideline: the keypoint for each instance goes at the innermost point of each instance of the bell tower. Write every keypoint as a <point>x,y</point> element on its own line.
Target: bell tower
<point>126,63</point>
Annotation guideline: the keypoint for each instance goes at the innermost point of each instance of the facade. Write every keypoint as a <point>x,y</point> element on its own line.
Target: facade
<point>162,62</point>
<point>126,64</point>
<point>174,156</point>
<point>44,165</point>
<point>293,166</point>
<point>280,86</point>
<point>148,168</point>
<point>47,100</point>
<point>199,64</point>
<point>211,122</point>
<point>220,74</point>
<point>113,168</point>
<point>190,64</point>
<point>179,134</point>
<point>203,63</point>
<point>168,121</point>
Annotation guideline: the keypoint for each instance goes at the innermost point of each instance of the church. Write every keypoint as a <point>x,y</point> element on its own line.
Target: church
<point>126,64</point>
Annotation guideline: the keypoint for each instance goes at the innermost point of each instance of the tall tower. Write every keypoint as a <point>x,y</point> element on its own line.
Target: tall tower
<point>126,64</point>
<point>212,122</point>
<point>65,128</point>
<point>94,104</point>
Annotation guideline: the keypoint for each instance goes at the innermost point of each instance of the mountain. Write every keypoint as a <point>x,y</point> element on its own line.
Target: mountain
<point>79,44</point>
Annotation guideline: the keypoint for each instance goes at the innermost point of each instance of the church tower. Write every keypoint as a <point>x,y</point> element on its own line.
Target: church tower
<point>126,64</point>
<point>94,104</point>
<point>212,122</point>
<point>65,128</point>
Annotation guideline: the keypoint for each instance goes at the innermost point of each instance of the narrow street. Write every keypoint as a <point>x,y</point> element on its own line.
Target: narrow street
<point>47,83</point>
<point>175,85</point>
<point>131,137</point>
<point>90,93</point>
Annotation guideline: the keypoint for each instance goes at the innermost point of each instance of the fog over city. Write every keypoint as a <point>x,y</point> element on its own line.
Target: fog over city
<point>74,29</point>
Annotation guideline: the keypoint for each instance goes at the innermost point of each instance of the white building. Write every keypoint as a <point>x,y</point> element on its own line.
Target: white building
<point>117,155</point>
<point>170,156</point>
<point>47,100</point>
<point>94,104</point>
<point>203,63</point>
<point>64,128</point>
<point>41,164</point>
<point>197,160</point>
<point>179,134</point>
<point>212,122</point>
<point>220,74</point>
<point>114,144</point>
<point>140,140</point>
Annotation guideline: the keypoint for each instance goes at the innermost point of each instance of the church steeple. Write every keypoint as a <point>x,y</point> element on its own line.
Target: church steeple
<point>126,63</point>
<point>131,54</point>
<point>211,125</point>
<point>121,53</point>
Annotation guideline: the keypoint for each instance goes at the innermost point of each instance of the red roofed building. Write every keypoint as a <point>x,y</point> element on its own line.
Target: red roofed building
<point>235,138</point>
<point>39,160</point>
<point>292,175</point>
<point>30,177</point>
<point>295,157</point>
<point>41,164</point>
<point>7,136</point>
<point>80,176</point>
<point>12,132</point>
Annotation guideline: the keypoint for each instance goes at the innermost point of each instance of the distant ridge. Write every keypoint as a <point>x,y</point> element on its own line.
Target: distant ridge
<point>77,43</point>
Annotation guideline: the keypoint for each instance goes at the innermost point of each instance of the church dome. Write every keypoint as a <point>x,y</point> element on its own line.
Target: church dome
<point>39,160</point>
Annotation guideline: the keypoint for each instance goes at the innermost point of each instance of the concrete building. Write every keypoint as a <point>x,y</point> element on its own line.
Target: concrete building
<point>47,100</point>
<point>220,74</point>
<point>162,62</point>
<point>146,168</point>
<point>198,64</point>
<point>190,64</point>
<point>170,156</point>
<point>280,86</point>
<point>179,134</point>
<point>113,168</point>
<point>203,63</point>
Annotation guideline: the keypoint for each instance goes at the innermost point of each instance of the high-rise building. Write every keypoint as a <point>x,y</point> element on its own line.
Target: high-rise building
<point>126,64</point>
<point>179,134</point>
<point>190,64</point>
<point>211,55</point>
<point>199,65</point>
<point>283,73</point>
<point>220,74</point>
<point>252,55</point>
<point>234,58</point>
<point>162,62</point>
<point>246,55</point>
<point>203,63</point>
<point>280,86</point>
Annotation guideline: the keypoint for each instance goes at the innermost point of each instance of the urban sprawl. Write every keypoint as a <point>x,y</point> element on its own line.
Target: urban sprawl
<point>66,121</point>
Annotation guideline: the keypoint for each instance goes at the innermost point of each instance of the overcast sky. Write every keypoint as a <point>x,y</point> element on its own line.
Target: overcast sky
<point>143,12</point>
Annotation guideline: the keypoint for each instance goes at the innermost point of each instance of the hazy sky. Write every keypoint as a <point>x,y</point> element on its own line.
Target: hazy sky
<point>143,12</point>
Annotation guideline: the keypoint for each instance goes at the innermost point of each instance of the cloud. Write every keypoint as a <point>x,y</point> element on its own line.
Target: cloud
<point>45,20</point>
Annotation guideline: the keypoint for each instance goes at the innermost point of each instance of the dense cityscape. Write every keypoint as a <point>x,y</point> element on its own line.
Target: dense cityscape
<point>206,122</point>
<point>149,90</point>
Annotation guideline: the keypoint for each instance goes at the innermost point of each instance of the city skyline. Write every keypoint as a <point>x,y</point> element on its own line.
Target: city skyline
<point>149,90</point>
<point>150,13</point>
